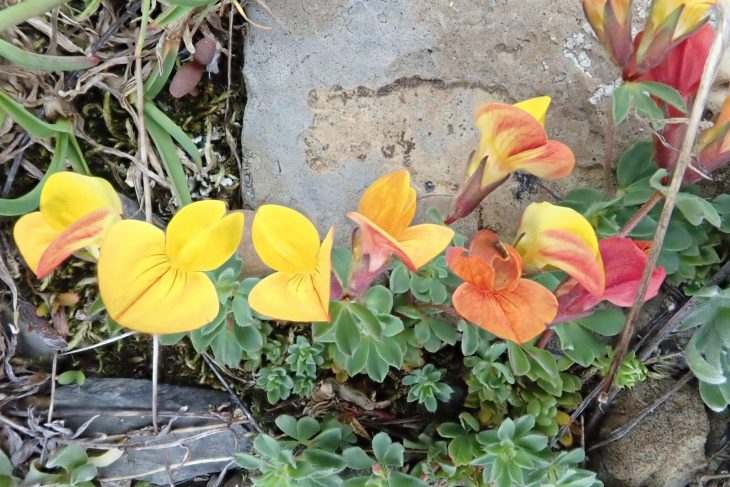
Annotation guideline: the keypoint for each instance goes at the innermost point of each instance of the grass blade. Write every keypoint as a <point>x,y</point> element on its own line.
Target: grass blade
<point>32,124</point>
<point>172,14</point>
<point>157,79</point>
<point>22,11</point>
<point>173,165</point>
<point>44,62</point>
<point>30,200</point>
<point>76,157</point>
<point>190,3</point>
<point>151,111</point>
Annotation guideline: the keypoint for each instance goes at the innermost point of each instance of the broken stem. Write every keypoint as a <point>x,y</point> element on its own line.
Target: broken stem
<point>155,378</point>
<point>708,76</point>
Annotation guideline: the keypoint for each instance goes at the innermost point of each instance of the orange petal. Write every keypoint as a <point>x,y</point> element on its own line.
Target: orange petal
<point>470,268</point>
<point>33,236</point>
<point>553,160</point>
<point>503,258</point>
<point>390,202</point>
<point>518,315</point>
<point>86,231</point>
<point>529,308</point>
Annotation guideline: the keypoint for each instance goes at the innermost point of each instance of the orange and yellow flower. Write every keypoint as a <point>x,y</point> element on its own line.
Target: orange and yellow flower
<point>75,213</point>
<point>713,148</point>
<point>553,237</point>
<point>494,295</point>
<point>669,23</point>
<point>611,21</point>
<point>384,216</point>
<point>289,243</point>
<point>154,282</point>
<point>513,138</point>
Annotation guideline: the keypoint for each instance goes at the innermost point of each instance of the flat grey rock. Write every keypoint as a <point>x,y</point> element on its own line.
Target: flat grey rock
<point>343,91</point>
<point>195,444</point>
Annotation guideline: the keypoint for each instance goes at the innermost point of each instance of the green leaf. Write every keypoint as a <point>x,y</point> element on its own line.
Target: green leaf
<point>400,279</point>
<point>646,106</point>
<point>635,164</point>
<point>606,322</point>
<point>715,396</point>
<point>68,458</point>
<point>173,165</point>
<point>377,367</point>
<point>469,338</point>
<point>379,299</point>
<point>371,325</point>
<point>347,333</point>
<point>45,62</point>
<point>621,103</point>
<point>463,449</point>
<point>29,201</point>
<point>342,265</point>
<point>517,359</point>
<point>165,123</point>
<point>287,424</point>
<point>357,459</point>
<point>697,209</point>
<point>266,445</point>
<point>307,427</point>
<point>391,352</point>
<point>665,93</point>
<point>578,344</point>
<point>325,459</point>
<point>171,15</point>
<point>400,479</point>
<point>191,3</point>
<point>71,377</point>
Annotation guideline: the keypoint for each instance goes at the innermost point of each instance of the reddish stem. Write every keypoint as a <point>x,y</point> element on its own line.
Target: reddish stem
<point>640,214</point>
<point>545,338</point>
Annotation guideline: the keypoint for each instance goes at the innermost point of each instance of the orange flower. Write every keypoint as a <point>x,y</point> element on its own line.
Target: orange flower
<point>513,138</point>
<point>494,295</point>
<point>386,210</point>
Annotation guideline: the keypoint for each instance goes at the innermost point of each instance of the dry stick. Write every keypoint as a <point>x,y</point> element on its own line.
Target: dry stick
<point>54,366</point>
<point>608,153</point>
<point>100,344</point>
<point>619,433</point>
<point>708,77</point>
<point>212,365</point>
<point>155,371</point>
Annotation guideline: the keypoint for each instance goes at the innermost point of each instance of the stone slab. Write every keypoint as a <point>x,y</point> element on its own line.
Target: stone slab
<point>343,91</point>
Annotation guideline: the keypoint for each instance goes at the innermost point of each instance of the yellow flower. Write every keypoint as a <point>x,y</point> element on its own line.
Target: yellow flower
<point>289,243</point>
<point>75,213</point>
<point>553,236</point>
<point>385,214</point>
<point>154,282</point>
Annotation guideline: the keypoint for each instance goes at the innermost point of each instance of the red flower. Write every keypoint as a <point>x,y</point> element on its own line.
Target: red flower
<point>624,260</point>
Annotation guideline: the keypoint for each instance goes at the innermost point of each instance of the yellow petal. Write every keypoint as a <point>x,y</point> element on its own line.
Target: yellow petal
<point>560,237</point>
<point>285,239</point>
<point>200,238</point>
<point>537,107</point>
<point>390,202</point>
<point>67,196</point>
<point>33,236</point>
<point>302,297</point>
<point>143,291</point>
<point>423,243</point>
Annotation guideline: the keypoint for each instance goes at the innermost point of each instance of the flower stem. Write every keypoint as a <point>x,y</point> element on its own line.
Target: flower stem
<point>155,378</point>
<point>640,214</point>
